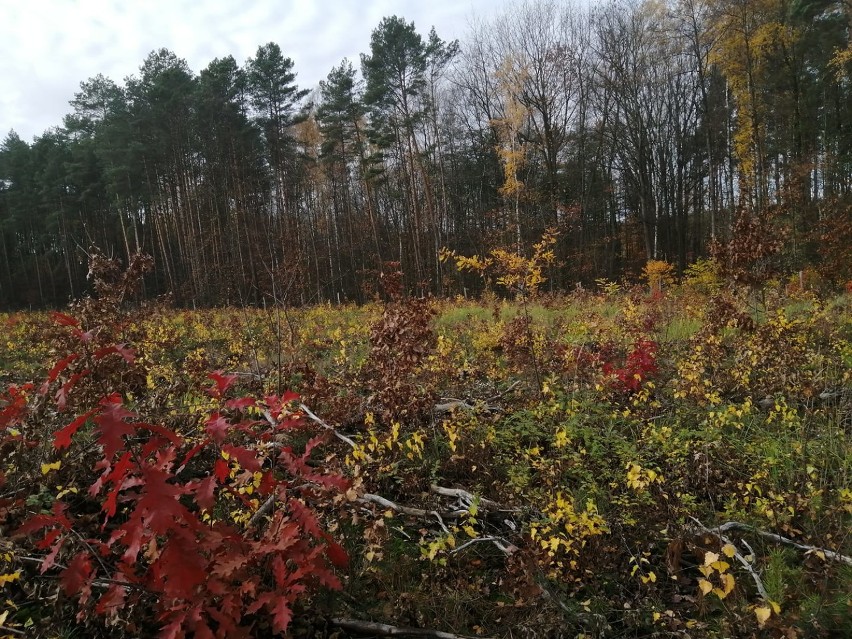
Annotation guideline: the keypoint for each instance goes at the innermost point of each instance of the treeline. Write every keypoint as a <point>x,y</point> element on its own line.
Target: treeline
<point>638,130</point>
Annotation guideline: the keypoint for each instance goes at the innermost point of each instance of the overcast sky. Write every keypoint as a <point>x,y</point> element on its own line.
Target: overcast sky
<point>48,47</point>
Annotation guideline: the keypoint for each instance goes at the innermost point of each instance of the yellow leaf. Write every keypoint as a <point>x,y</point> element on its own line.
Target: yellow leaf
<point>46,468</point>
<point>721,566</point>
<point>705,586</point>
<point>729,550</point>
<point>9,577</point>
<point>710,558</point>
<point>775,607</point>
<point>657,616</point>
<point>3,617</point>
<point>728,582</point>
<point>762,615</point>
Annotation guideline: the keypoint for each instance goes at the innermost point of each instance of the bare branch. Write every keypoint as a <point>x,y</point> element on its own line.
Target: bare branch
<point>374,628</point>
<point>468,498</point>
<point>829,554</point>
<point>761,589</point>
<point>322,423</point>
<point>504,546</point>
<point>413,512</point>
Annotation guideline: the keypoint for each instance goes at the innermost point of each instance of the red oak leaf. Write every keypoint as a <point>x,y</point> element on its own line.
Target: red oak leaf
<point>77,575</point>
<point>62,437</point>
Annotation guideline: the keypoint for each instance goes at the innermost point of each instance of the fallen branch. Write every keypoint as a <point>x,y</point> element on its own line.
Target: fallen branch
<point>504,546</point>
<point>500,395</point>
<point>449,404</point>
<point>372,627</point>
<point>467,499</point>
<point>829,554</point>
<point>413,512</point>
<point>758,582</point>
<point>322,423</point>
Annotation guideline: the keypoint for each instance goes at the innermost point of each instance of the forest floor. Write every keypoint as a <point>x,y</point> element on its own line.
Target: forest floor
<point>595,465</point>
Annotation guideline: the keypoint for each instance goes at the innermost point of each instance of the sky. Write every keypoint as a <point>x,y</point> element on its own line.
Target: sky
<point>47,47</point>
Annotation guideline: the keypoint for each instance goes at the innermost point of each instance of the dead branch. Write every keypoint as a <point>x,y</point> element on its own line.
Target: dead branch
<point>322,423</point>
<point>467,499</point>
<point>12,630</point>
<point>829,554</point>
<point>500,395</point>
<point>412,512</point>
<point>758,582</point>
<point>374,628</point>
<point>265,507</point>
<point>504,546</point>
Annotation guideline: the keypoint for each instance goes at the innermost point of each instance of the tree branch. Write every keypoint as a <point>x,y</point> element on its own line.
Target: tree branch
<point>372,627</point>
<point>829,554</point>
<point>322,423</point>
<point>758,582</point>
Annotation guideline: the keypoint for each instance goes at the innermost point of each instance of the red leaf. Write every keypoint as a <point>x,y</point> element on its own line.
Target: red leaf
<point>125,351</point>
<point>217,427</point>
<point>49,537</point>
<point>223,383</point>
<point>77,575</point>
<point>50,559</point>
<point>183,568</point>
<point>164,432</point>
<point>116,475</point>
<point>289,396</point>
<point>245,457</point>
<point>62,393</point>
<point>174,630</point>
<point>112,600</point>
<point>63,320</point>
<point>111,424</point>
<point>221,470</point>
<point>204,492</point>
<point>60,366</point>
<point>193,452</point>
<point>281,615</point>
<point>240,403</point>
<point>62,438</point>
<point>336,554</point>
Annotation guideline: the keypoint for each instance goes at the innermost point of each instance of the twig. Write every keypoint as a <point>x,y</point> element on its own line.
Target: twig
<point>449,403</point>
<point>372,627</point>
<point>98,582</point>
<point>413,512</point>
<point>504,546</point>
<point>12,630</point>
<point>468,498</point>
<point>319,421</point>
<point>508,390</point>
<point>265,507</point>
<point>829,554</point>
<point>761,589</point>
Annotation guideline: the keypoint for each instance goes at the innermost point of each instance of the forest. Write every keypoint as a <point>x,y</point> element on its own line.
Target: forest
<point>636,130</point>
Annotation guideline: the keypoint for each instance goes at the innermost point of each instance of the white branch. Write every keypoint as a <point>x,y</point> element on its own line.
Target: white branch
<point>829,554</point>
<point>371,627</point>
<point>322,423</point>
<point>761,589</point>
<point>468,498</point>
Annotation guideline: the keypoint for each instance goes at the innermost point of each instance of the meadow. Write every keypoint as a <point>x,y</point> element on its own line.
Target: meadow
<point>667,460</point>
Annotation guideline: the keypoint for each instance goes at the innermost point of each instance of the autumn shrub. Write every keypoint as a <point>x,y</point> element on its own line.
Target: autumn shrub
<point>208,532</point>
